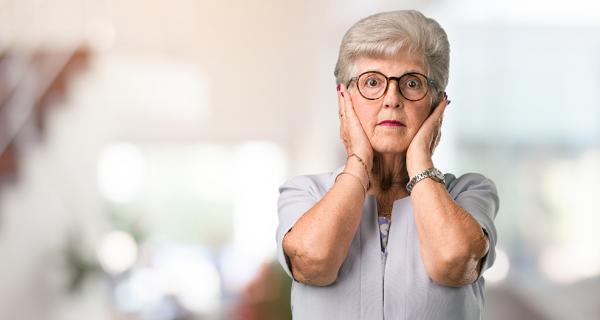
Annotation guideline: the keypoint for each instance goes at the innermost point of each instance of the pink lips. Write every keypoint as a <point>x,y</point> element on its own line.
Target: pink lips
<point>391,123</point>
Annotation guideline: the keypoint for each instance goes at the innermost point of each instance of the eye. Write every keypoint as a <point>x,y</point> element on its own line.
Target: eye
<point>373,82</point>
<point>413,83</point>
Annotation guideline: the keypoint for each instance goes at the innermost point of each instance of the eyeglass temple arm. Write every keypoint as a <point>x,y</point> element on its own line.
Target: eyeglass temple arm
<point>350,81</point>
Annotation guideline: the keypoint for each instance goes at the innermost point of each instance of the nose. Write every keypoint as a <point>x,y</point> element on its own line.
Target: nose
<point>392,98</point>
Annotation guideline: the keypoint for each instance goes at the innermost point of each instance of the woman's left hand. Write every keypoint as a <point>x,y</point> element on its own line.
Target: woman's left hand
<point>420,150</point>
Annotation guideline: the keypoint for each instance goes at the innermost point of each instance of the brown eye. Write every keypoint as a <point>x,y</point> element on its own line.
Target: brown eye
<point>413,84</point>
<point>372,82</point>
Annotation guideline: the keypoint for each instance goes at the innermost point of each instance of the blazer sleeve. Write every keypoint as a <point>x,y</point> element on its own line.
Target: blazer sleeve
<point>296,196</point>
<point>479,197</point>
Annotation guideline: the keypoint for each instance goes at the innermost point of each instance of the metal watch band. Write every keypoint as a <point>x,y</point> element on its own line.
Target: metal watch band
<point>433,173</point>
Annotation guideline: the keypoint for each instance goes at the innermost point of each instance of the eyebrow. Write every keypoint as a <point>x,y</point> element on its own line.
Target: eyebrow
<point>405,72</point>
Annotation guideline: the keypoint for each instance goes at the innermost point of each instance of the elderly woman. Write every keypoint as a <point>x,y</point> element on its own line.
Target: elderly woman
<point>387,235</point>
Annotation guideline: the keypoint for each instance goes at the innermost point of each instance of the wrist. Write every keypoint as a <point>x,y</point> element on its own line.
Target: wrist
<point>365,160</point>
<point>416,166</point>
<point>432,173</point>
<point>354,166</point>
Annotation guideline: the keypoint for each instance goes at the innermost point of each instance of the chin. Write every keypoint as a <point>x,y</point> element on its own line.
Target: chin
<point>390,144</point>
<point>390,149</point>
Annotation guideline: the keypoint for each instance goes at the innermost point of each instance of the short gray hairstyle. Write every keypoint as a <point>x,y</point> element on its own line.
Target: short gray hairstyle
<point>385,34</point>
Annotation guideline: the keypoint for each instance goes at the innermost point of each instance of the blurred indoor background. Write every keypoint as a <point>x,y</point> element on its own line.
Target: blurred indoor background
<point>142,144</point>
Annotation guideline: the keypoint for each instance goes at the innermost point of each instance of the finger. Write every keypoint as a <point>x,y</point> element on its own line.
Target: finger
<point>348,106</point>
<point>434,118</point>
<point>343,121</point>
<point>340,103</point>
<point>433,139</point>
<point>353,126</point>
<point>339,106</point>
<point>439,110</point>
<point>342,127</point>
<point>437,140</point>
<point>438,132</point>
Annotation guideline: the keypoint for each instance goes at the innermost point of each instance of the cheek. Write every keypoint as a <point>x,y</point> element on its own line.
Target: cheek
<point>368,118</point>
<point>421,113</point>
<point>367,114</point>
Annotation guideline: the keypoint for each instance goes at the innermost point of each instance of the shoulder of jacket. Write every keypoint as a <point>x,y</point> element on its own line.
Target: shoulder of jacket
<point>320,182</point>
<point>467,181</point>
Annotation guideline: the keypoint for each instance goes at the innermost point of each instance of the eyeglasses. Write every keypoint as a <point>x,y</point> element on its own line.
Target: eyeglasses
<point>373,85</point>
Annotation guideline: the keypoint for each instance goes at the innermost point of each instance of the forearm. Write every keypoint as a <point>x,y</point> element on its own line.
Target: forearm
<point>452,241</point>
<point>319,241</point>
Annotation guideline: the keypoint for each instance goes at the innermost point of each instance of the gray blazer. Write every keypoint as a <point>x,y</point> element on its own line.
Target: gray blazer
<point>371,287</point>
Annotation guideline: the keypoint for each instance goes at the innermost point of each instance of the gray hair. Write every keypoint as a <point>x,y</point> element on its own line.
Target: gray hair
<point>385,34</point>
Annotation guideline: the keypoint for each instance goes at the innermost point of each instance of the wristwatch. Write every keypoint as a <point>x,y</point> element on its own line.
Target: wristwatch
<point>433,173</point>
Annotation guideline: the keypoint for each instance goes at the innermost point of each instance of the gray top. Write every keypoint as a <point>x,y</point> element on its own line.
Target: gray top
<point>372,287</point>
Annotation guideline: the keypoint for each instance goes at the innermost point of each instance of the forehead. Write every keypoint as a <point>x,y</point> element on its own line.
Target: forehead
<point>398,64</point>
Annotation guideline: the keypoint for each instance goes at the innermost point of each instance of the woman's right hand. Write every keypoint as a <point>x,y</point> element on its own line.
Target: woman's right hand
<point>352,132</point>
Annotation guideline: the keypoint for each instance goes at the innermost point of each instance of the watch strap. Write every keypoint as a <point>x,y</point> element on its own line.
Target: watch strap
<point>433,173</point>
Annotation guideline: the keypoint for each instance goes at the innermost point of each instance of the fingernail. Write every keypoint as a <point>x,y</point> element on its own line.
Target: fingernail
<point>342,94</point>
<point>337,87</point>
<point>449,102</point>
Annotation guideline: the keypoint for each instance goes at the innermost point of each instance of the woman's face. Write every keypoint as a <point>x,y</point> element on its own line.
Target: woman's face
<point>392,105</point>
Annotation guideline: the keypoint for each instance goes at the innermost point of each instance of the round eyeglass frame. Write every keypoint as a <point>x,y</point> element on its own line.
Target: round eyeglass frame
<point>430,83</point>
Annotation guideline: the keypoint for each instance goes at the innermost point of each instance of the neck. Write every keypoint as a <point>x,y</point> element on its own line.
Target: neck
<point>389,175</point>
